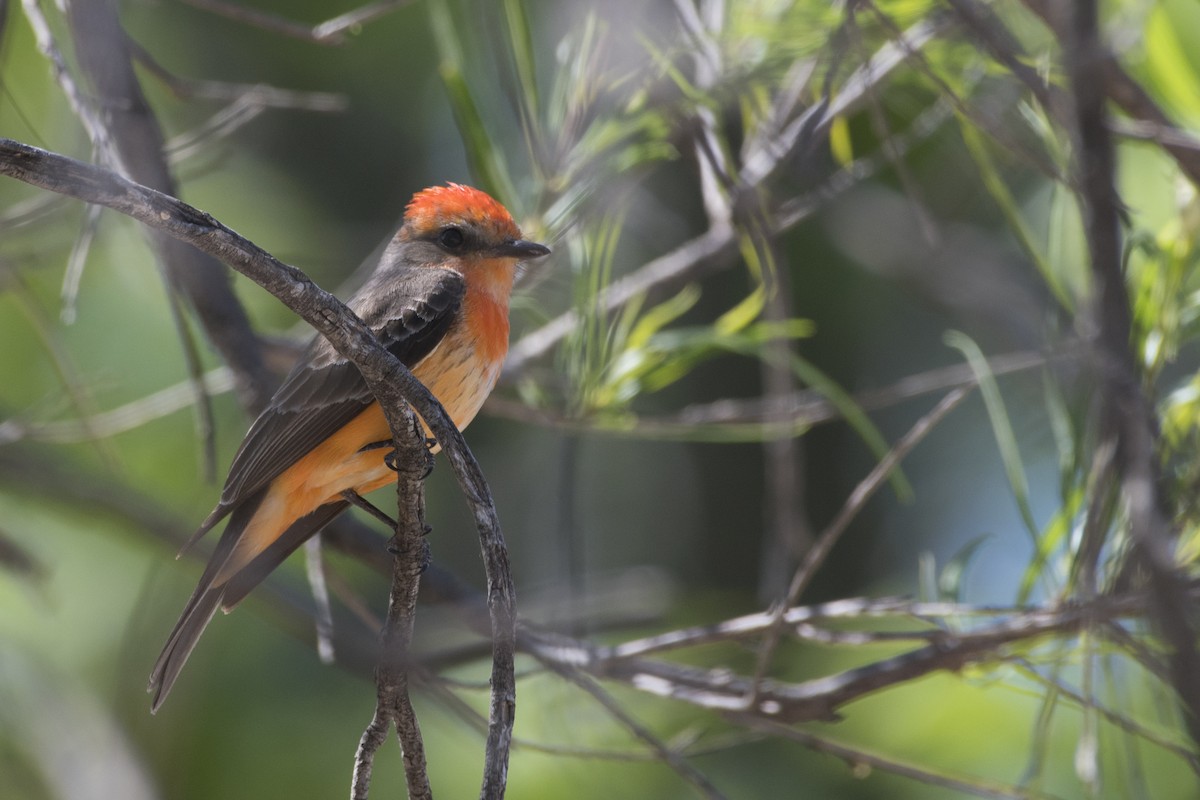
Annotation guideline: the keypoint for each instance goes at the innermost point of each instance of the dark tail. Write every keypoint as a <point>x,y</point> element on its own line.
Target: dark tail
<point>201,605</point>
<point>207,598</point>
<point>179,646</point>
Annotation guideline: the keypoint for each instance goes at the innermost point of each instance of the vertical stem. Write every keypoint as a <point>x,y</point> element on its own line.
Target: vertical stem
<point>1127,418</point>
<point>410,551</point>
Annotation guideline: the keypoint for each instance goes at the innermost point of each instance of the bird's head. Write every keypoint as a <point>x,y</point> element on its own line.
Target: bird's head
<point>464,229</point>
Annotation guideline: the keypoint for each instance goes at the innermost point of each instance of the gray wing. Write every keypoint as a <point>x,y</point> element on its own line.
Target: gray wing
<point>410,309</point>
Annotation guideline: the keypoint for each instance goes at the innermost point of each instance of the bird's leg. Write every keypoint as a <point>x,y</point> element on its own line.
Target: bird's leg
<point>354,498</point>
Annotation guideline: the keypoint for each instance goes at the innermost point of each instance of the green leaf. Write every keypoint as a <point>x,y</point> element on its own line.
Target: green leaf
<point>950,581</point>
<point>1002,430</point>
<point>855,416</point>
<point>521,42</point>
<point>840,144</point>
<point>1172,74</point>
<point>744,313</point>
<point>486,160</point>
<point>1061,283</point>
<point>1049,542</point>
<point>662,315</point>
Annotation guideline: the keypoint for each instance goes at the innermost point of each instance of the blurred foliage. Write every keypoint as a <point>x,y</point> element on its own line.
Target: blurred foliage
<point>879,209</point>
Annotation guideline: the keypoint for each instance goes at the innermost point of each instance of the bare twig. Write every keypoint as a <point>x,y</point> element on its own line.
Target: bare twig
<point>76,262</point>
<point>330,32</point>
<point>314,569</point>
<point>127,417</point>
<point>410,553</point>
<point>819,698</point>
<point>833,532</point>
<point>1121,721</point>
<point>30,211</point>
<point>665,753</point>
<point>858,757</point>
<point>248,95</point>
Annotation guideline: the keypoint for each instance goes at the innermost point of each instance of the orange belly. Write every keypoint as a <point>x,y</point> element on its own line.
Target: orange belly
<point>455,374</point>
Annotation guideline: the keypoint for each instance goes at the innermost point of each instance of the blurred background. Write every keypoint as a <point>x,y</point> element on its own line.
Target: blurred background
<point>864,206</point>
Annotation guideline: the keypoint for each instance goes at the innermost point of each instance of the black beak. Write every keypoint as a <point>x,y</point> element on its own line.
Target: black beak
<point>519,248</point>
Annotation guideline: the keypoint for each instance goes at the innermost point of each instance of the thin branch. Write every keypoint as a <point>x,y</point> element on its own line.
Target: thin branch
<point>859,758</point>
<point>245,95</point>
<point>409,549</point>
<point>134,414</point>
<point>819,698</point>
<point>96,131</point>
<point>73,274</point>
<point>314,570</point>
<point>666,754</point>
<point>1121,721</point>
<point>833,532</point>
<point>330,32</point>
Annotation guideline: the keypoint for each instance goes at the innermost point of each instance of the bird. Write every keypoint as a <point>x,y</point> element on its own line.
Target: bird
<point>438,300</point>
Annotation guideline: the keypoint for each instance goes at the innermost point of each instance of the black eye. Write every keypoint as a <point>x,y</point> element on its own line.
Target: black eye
<point>451,238</point>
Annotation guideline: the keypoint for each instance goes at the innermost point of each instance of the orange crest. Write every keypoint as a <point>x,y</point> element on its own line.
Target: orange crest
<point>453,203</point>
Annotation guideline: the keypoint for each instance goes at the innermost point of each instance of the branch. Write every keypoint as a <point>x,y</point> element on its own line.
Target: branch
<point>1127,93</point>
<point>859,758</point>
<point>833,532</point>
<point>410,551</point>
<point>330,32</point>
<point>393,385</point>
<point>127,134</point>
<point>1127,417</point>
<point>723,690</point>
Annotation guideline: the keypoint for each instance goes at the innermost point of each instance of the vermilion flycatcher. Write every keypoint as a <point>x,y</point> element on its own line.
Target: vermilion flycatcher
<point>439,302</point>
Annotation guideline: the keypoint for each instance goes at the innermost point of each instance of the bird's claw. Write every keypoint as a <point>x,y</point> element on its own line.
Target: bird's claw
<point>426,559</point>
<point>392,461</point>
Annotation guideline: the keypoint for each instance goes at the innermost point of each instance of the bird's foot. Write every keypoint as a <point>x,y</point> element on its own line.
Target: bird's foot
<point>426,551</point>
<point>392,460</point>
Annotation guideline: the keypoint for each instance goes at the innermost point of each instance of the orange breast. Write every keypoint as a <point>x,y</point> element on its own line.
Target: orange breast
<point>461,372</point>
